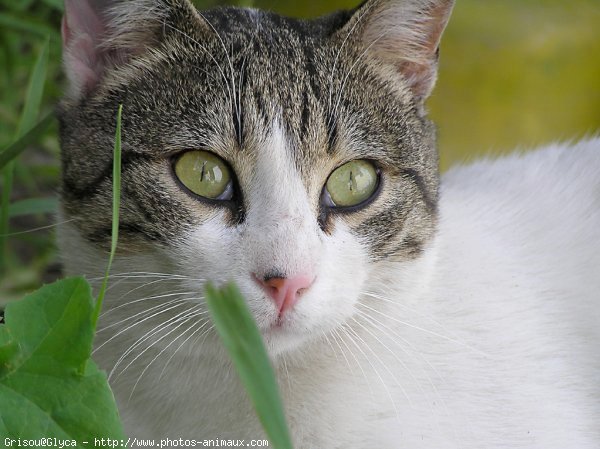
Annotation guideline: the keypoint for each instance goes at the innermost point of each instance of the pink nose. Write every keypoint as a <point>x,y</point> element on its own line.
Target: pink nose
<point>286,291</point>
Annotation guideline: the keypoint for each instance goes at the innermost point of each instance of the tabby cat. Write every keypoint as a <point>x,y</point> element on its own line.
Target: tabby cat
<point>295,158</point>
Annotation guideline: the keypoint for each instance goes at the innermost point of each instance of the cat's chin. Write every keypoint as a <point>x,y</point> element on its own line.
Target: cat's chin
<point>280,341</point>
<point>286,338</point>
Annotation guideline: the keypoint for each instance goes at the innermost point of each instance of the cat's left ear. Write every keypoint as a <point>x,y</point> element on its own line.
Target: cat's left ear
<point>404,35</point>
<point>100,35</point>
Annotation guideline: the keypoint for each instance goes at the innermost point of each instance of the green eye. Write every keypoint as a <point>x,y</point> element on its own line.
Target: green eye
<point>205,174</point>
<point>351,184</point>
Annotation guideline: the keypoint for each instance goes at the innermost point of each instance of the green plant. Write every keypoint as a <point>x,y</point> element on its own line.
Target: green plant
<point>29,116</point>
<point>242,340</point>
<point>49,386</point>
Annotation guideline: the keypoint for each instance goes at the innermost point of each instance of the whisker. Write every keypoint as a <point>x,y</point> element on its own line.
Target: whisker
<point>403,306</point>
<point>135,324</point>
<point>343,353</point>
<point>326,338</point>
<point>287,373</point>
<point>41,228</point>
<point>425,330</point>
<point>347,331</point>
<point>419,354</point>
<point>342,88</point>
<point>388,331</point>
<point>240,84</point>
<point>183,343</point>
<point>203,335</point>
<point>143,285</point>
<point>356,359</point>
<point>232,96</point>
<point>209,54</point>
<point>181,320</point>
<point>147,298</point>
<point>186,314</point>
<point>393,354</point>
<point>339,52</point>
<point>142,275</point>
<point>145,312</point>
<point>163,351</point>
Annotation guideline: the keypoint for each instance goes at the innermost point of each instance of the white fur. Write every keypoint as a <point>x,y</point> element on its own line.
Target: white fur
<point>490,340</point>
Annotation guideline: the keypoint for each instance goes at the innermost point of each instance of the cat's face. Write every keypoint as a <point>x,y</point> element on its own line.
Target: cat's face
<point>291,157</point>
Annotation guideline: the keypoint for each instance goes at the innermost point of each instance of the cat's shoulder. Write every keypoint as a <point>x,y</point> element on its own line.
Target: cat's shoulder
<point>554,189</point>
<point>531,215</point>
<point>518,251</point>
<point>558,168</point>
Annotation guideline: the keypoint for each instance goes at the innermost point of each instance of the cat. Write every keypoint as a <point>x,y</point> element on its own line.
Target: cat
<point>295,157</point>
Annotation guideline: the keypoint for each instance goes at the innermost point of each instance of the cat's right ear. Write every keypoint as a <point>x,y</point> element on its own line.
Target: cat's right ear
<point>99,35</point>
<point>401,35</point>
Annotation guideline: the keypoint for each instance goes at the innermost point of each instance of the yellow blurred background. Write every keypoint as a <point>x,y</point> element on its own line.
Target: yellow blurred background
<point>513,73</point>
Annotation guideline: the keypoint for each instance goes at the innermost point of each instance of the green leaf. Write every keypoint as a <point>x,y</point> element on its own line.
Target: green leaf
<point>33,206</point>
<point>241,338</point>
<point>49,387</point>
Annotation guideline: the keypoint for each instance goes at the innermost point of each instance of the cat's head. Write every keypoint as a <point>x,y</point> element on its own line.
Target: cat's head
<point>290,156</point>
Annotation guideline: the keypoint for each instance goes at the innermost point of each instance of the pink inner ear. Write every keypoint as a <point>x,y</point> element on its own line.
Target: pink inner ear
<point>82,32</point>
<point>419,77</point>
<point>64,31</point>
<point>81,18</point>
<point>84,64</point>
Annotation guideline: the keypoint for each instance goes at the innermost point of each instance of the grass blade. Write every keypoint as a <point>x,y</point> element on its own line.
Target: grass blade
<point>29,26</point>
<point>7,181</point>
<point>57,4</point>
<point>33,206</point>
<point>115,216</point>
<point>27,139</point>
<point>241,338</point>
<point>33,99</point>
<point>35,91</point>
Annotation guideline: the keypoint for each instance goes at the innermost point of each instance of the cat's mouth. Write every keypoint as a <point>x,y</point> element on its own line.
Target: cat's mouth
<point>277,324</point>
<point>282,333</point>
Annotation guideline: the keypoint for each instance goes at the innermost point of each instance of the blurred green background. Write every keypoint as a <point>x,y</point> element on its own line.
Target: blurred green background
<point>513,74</point>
